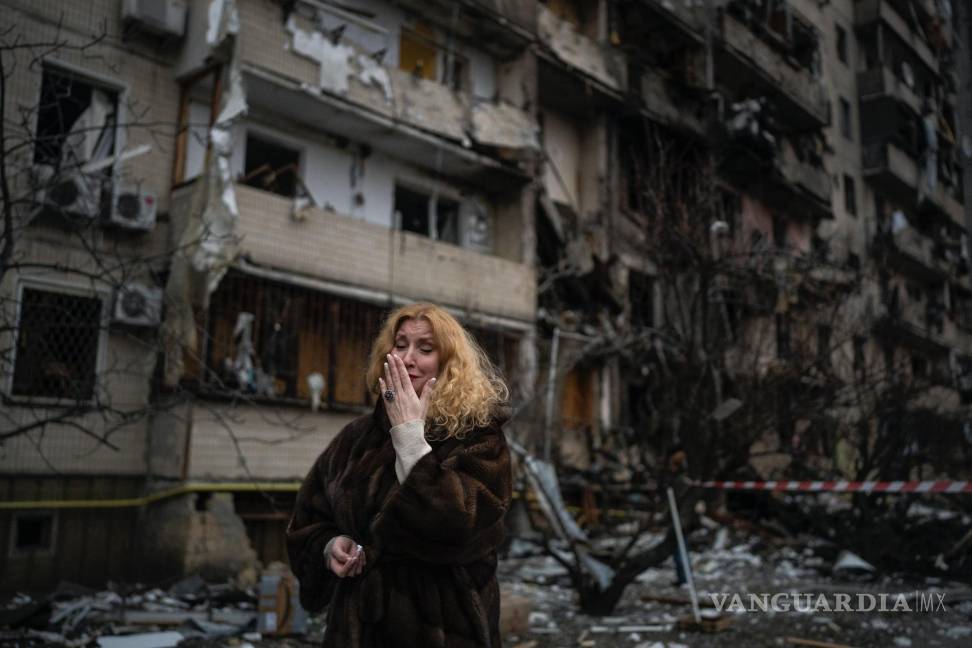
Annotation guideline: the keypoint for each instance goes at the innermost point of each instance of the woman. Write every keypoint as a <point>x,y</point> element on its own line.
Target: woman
<point>396,526</point>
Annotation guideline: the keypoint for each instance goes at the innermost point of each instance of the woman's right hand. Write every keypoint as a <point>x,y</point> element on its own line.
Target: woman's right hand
<point>347,558</point>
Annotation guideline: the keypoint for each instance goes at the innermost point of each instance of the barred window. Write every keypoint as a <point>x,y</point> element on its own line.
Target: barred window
<point>266,337</point>
<point>57,345</point>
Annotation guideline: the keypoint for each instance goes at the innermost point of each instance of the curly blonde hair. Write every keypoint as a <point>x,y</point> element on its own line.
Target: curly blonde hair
<point>468,390</point>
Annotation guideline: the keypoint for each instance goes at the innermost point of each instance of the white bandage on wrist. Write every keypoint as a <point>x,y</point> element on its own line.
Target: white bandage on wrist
<point>410,445</point>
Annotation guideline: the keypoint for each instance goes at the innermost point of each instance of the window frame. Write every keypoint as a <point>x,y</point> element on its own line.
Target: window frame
<point>276,139</point>
<point>63,287</point>
<point>106,82</point>
<point>434,193</point>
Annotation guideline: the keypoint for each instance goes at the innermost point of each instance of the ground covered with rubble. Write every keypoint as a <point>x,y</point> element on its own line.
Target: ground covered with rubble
<point>541,610</point>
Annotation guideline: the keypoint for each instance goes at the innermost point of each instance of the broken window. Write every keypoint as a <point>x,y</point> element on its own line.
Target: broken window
<point>440,218</point>
<point>846,121</point>
<point>446,221</point>
<point>268,338</point>
<point>58,339</point>
<point>32,532</point>
<point>76,121</point>
<point>417,53</point>
<point>841,43</point>
<point>271,166</point>
<point>412,208</point>
<point>850,195</point>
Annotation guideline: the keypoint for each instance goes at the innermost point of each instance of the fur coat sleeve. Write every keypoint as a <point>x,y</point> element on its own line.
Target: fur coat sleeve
<point>450,509</point>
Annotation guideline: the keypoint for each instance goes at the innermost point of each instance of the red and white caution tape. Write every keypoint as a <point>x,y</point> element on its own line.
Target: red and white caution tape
<point>845,486</point>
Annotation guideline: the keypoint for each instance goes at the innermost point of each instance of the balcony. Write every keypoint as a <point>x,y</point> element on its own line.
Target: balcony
<point>774,173</point>
<point>810,185</point>
<point>882,84</point>
<point>662,24</point>
<point>293,72</point>
<point>601,64</point>
<point>661,100</point>
<point>868,13</point>
<point>352,253</point>
<point>896,174</point>
<point>504,28</point>
<point>751,61</point>
<point>910,324</point>
<point>913,253</point>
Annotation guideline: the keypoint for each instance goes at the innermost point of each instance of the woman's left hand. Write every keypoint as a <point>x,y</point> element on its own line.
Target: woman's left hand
<point>405,405</point>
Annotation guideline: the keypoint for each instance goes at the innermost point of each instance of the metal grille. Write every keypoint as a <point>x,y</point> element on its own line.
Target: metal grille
<point>57,345</point>
<point>295,332</point>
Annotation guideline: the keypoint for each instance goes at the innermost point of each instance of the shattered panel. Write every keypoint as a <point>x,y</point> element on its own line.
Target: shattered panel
<point>578,51</point>
<point>502,125</point>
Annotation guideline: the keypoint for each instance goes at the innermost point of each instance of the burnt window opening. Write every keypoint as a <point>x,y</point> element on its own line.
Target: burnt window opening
<point>76,121</point>
<point>33,532</point>
<point>841,44</point>
<point>58,339</point>
<point>641,298</point>
<point>850,195</point>
<point>271,166</point>
<point>846,119</point>
<point>413,210</point>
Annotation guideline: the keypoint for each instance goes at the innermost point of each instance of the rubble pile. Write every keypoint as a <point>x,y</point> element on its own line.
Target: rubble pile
<point>191,612</point>
<point>736,557</point>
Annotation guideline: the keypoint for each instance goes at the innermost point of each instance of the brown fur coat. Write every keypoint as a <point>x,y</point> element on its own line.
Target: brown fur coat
<point>430,542</point>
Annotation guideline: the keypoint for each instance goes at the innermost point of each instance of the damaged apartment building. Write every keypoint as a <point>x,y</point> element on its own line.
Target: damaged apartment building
<point>252,184</point>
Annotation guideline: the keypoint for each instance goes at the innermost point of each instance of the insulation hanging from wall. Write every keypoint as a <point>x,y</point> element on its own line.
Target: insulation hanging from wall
<point>208,242</point>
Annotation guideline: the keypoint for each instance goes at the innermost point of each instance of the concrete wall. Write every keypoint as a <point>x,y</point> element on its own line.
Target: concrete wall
<point>339,248</point>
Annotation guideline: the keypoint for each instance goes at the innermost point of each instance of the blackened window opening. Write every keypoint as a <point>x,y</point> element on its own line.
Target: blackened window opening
<point>270,166</point>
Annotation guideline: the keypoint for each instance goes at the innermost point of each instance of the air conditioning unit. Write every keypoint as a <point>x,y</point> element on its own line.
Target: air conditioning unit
<point>138,305</point>
<point>161,17</point>
<point>133,208</point>
<point>71,193</point>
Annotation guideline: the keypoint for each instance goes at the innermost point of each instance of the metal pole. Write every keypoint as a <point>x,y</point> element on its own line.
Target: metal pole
<point>551,393</point>
<point>683,554</point>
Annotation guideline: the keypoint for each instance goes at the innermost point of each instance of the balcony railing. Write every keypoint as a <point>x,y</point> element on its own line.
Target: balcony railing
<point>897,174</point>
<point>911,251</point>
<point>881,83</point>
<point>603,63</point>
<point>336,248</point>
<point>870,12</point>
<point>803,96</point>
